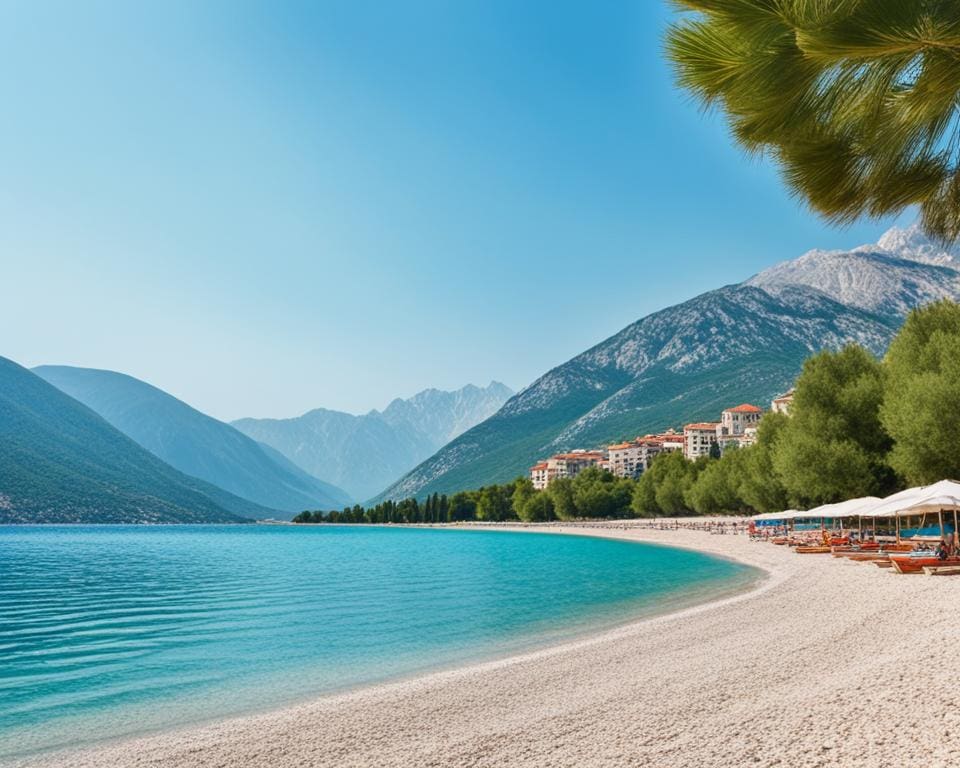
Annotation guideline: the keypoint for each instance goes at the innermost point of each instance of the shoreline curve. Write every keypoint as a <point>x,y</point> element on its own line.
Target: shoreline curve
<point>685,685</point>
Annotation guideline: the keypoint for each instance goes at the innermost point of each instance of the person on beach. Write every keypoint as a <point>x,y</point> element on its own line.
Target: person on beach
<point>942,553</point>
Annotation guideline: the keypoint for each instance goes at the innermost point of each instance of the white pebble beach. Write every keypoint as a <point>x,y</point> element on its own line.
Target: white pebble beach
<point>826,663</point>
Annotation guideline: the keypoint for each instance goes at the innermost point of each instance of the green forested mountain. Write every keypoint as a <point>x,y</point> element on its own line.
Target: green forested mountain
<point>193,442</point>
<point>62,463</point>
<point>739,343</point>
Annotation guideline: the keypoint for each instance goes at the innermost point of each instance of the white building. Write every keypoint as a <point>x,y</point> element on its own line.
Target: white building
<point>782,403</point>
<point>699,437</point>
<point>540,475</point>
<point>632,459</point>
<point>736,421</point>
<point>626,459</point>
<point>564,465</point>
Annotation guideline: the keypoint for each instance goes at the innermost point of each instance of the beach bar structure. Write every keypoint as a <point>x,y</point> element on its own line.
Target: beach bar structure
<point>925,512</point>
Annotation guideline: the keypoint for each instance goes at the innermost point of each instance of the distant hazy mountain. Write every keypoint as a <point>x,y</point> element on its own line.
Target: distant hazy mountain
<point>62,463</point>
<point>739,343</point>
<point>364,454</point>
<point>193,442</point>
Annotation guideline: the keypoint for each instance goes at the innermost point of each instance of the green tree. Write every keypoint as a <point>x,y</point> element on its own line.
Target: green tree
<point>561,495</point>
<point>920,407</point>
<point>537,508</point>
<point>857,100</point>
<point>716,489</point>
<point>597,493</point>
<point>644,500</point>
<point>661,489</point>
<point>523,491</point>
<point>493,504</point>
<point>760,486</point>
<point>462,507</point>
<point>834,447</point>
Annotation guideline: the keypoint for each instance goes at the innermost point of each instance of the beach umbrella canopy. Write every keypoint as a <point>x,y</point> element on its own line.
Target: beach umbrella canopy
<point>890,505</point>
<point>787,514</point>
<point>838,509</point>
<point>933,498</point>
<point>815,513</point>
<point>942,495</point>
<point>854,507</point>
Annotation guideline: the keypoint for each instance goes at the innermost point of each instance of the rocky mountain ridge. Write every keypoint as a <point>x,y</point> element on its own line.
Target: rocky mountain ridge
<point>686,362</point>
<point>366,453</point>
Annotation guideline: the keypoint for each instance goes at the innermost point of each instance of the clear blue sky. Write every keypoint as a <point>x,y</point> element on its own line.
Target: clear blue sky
<point>265,207</point>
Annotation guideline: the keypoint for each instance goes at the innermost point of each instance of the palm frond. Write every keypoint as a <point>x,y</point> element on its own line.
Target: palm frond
<point>859,100</point>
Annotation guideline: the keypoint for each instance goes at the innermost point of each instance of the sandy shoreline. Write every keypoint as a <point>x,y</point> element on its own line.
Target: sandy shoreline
<point>827,663</point>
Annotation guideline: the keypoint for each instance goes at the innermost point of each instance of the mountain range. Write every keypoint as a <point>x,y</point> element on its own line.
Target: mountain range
<point>194,443</point>
<point>62,463</point>
<point>82,445</point>
<point>743,342</point>
<point>366,453</point>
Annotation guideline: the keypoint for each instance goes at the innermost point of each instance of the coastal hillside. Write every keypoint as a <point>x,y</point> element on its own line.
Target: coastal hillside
<point>62,463</point>
<point>739,343</point>
<point>364,454</point>
<point>193,442</point>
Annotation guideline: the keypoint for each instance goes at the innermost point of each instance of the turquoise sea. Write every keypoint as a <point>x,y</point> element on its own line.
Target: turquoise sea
<point>109,631</point>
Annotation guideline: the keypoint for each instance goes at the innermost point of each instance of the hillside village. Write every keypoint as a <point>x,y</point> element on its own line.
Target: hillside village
<point>737,428</point>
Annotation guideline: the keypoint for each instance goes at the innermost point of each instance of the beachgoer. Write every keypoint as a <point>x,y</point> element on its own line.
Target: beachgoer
<point>942,553</point>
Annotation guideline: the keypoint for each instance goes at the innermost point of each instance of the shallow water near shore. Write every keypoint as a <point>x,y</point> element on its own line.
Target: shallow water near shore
<point>112,631</point>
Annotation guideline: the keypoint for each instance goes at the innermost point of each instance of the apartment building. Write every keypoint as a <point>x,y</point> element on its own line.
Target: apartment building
<point>736,421</point>
<point>564,465</point>
<point>782,403</point>
<point>540,475</point>
<point>699,437</point>
<point>626,459</point>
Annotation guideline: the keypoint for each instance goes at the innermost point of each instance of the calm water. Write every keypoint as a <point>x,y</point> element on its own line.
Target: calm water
<point>108,631</point>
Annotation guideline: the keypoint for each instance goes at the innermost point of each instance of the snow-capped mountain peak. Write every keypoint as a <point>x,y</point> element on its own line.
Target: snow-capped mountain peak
<point>913,244</point>
<point>902,270</point>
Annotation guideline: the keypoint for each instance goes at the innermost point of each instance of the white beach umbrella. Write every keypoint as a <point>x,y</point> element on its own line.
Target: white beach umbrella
<point>785,515</point>
<point>937,497</point>
<point>855,507</point>
<point>934,498</point>
<point>848,508</point>
<point>811,513</point>
<point>836,509</point>
<point>824,511</point>
<point>890,505</point>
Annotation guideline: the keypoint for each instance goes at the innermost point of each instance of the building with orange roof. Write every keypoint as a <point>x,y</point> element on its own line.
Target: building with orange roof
<point>568,464</point>
<point>632,458</point>
<point>540,475</point>
<point>699,437</point>
<point>671,440</point>
<point>626,459</point>
<point>738,426</point>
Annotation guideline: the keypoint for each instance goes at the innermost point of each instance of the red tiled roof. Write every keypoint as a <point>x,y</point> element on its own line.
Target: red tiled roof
<point>621,446</point>
<point>585,455</point>
<point>703,425</point>
<point>540,466</point>
<point>745,408</point>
